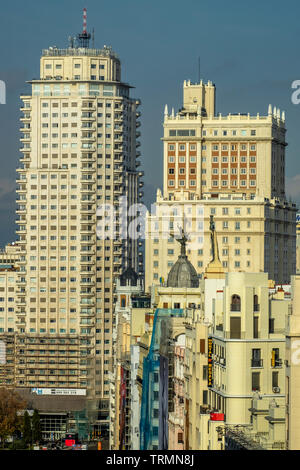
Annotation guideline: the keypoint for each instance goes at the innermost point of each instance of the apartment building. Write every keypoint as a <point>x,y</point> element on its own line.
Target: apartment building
<point>9,272</point>
<point>298,243</point>
<point>253,234</point>
<point>248,351</point>
<point>79,157</point>
<point>207,152</point>
<point>293,370</point>
<point>131,307</point>
<point>232,167</point>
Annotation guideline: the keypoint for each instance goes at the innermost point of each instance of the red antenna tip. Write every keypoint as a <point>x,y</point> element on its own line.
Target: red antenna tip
<point>84,20</point>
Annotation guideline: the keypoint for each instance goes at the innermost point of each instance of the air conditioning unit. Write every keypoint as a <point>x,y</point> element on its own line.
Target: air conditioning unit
<point>222,360</point>
<point>276,390</point>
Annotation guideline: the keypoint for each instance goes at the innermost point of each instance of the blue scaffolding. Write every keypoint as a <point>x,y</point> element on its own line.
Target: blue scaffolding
<point>154,407</point>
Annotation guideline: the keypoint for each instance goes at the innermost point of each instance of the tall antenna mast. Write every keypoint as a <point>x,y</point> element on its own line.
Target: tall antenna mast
<point>199,69</point>
<point>84,21</point>
<point>84,38</point>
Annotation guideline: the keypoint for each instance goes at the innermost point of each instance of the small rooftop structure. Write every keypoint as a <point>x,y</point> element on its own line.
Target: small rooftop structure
<point>183,273</point>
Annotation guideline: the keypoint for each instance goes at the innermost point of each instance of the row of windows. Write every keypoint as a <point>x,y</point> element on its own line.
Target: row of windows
<point>234,132</point>
<point>83,89</point>
<point>215,171</point>
<point>237,264</point>
<point>215,183</point>
<point>76,66</point>
<point>182,159</point>
<point>234,183</point>
<point>215,147</point>
<point>71,145</point>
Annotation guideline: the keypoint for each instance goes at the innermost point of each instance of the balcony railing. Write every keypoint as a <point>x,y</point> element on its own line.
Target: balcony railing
<point>256,363</point>
<point>235,307</point>
<point>276,363</point>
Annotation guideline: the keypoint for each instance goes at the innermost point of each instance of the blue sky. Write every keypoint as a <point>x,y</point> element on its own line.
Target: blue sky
<point>250,50</point>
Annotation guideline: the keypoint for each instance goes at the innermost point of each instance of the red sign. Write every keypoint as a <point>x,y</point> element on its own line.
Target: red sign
<point>70,442</point>
<point>217,416</point>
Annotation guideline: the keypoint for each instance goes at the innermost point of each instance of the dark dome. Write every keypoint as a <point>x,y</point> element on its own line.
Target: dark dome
<point>183,274</point>
<point>129,275</point>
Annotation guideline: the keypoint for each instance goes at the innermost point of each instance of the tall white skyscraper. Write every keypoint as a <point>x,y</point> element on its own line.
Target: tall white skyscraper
<point>79,153</point>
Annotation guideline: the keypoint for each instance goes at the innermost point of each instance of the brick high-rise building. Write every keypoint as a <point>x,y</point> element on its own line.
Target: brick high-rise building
<point>209,153</point>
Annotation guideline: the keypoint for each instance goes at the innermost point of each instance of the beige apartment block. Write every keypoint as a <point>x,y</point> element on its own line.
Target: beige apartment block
<point>9,272</point>
<point>201,433</point>
<point>130,314</point>
<point>254,235</point>
<point>298,244</point>
<point>79,152</point>
<point>293,369</point>
<point>248,339</point>
<point>232,167</point>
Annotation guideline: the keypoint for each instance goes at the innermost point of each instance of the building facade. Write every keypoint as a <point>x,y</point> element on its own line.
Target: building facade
<point>249,231</point>
<point>208,153</point>
<point>79,157</point>
<point>232,167</point>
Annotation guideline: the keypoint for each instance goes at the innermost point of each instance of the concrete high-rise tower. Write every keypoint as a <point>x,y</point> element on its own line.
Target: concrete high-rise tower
<point>79,153</point>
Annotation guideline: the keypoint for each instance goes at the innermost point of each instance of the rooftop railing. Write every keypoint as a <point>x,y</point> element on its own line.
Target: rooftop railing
<point>80,51</point>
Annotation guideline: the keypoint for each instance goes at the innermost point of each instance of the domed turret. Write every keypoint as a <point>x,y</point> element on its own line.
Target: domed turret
<point>183,273</point>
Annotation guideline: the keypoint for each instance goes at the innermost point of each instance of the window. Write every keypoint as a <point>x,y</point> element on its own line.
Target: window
<point>255,302</point>
<point>275,379</point>
<point>255,381</point>
<point>256,360</point>
<point>255,327</point>
<point>235,303</point>
<point>235,327</point>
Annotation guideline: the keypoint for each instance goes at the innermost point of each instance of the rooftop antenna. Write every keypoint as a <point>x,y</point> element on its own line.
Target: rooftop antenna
<point>93,38</point>
<point>199,69</point>
<point>71,42</point>
<point>84,38</point>
<point>84,21</point>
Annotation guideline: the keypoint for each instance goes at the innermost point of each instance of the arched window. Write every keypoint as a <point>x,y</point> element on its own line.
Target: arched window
<point>235,303</point>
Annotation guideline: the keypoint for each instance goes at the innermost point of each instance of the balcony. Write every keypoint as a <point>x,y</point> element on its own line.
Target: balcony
<point>256,363</point>
<point>235,307</point>
<point>85,117</point>
<point>88,128</point>
<point>277,364</point>
<point>88,139</point>
<point>90,148</point>
<point>88,108</point>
